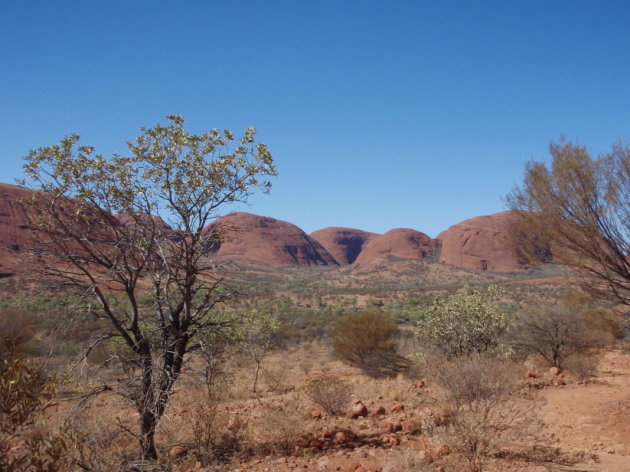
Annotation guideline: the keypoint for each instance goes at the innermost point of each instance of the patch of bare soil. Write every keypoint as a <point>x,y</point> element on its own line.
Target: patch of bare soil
<point>594,417</point>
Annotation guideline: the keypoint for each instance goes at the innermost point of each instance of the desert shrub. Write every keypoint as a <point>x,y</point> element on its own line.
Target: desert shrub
<point>16,331</point>
<point>582,366</point>
<point>278,433</point>
<point>557,332</point>
<point>217,434</point>
<point>482,410</point>
<point>25,393</point>
<point>470,321</point>
<point>276,377</point>
<point>368,340</point>
<point>330,393</point>
<point>407,461</point>
<point>100,445</point>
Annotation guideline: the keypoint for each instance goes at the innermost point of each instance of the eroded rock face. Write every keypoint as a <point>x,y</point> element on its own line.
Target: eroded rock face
<point>480,243</point>
<point>268,240</point>
<point>399,242</point>
<point>15,229</point>
<point>344,244</point>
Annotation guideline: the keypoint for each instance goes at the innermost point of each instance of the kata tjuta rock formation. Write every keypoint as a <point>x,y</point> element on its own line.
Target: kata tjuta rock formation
<point>480,243</point>
<point>400,242</point>
<point>344,244</point>
<point>268,240</point>
<point>16,232</point>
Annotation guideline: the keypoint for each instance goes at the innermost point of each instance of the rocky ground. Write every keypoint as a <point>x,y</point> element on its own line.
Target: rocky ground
<point>399,425</point>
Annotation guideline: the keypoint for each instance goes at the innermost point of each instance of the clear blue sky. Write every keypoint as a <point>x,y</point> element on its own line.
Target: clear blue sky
<point>380,114</point>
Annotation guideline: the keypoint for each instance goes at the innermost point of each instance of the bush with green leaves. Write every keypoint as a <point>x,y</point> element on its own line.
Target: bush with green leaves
<point>469,321</point>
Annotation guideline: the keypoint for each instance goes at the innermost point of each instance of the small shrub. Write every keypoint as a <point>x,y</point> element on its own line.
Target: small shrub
<point>368,340</point>
<point>217,435</point>
<point>276,378</point>
<point>25,391</point>
<point>482,411</point>
<point>557,332</point>
<point>279,433</point>
<point>330,393</point>
<point>582,366</point>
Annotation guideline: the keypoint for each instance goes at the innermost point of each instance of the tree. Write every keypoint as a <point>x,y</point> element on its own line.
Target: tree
<point>470,321</point>
<point>256,337</point>
<point>557,332</point>
<point>578,209</point>
<point>131,234</point>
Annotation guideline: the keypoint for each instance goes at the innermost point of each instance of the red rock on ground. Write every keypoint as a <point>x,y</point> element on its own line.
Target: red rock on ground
<point>397,407</point>
<point>357,410</point>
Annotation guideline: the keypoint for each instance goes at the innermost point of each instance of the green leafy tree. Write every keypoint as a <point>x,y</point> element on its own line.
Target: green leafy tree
<point>118,228</point>
<point>470,321</point>
<point>257,337</point>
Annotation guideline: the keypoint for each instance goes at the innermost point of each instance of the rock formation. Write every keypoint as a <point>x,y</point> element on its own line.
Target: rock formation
<point>399,242</point>
<point>268,240</point>
<point>344,244</point>
<point>480,243</point>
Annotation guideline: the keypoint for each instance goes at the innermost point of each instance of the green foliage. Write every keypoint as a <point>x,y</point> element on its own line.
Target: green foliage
<point>470,321</point>
<point>256,336</point>
<point>184,178</point>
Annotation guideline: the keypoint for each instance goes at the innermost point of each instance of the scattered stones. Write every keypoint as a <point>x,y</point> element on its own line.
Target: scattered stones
<point>357,410</point>
<point>380,411</point>
<point>352,467</point>
<point>393,427</point>
<point>178,451</point>
<point>420,384</point>
<point>530,374</point>
<point>316,415</point>
<point>554,371</point>
<point>413,426</point>
<point>397,407</point>
<point>343,436</point>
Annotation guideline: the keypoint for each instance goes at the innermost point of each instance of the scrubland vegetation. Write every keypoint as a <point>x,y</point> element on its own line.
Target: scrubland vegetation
<point>142,352</point>
<point>444,382</point>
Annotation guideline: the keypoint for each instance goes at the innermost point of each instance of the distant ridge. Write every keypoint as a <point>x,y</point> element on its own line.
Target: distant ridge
<point>479,243</point>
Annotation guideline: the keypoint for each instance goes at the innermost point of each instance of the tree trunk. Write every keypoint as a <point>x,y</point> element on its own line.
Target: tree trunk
<point>256,376</point>
<point>147,434</point>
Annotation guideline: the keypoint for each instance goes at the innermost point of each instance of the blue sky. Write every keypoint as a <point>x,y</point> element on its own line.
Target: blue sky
<point>380,114</point>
